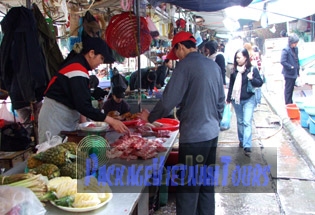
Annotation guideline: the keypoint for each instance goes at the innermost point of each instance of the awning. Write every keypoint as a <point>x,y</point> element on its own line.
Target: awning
<point>203,5</point>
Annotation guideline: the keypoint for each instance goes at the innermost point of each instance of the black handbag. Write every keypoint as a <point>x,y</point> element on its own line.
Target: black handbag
<point>250,88</point>
<point>14,137</point>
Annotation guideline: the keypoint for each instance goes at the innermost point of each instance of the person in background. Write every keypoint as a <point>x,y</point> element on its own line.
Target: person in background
<point>162,72</point>
<point>96,92</point>
<point>222,48</point>
<point>200,98</point>
<point>211,48</point>
<point>291,67</point>
<point>116,102</point>
<point>244,102</point>
<point>148,78</point>
<point>254,56</point>
<point>68,94</point>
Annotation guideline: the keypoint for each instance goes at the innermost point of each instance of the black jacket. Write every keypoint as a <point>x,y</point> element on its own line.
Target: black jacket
<point>145,84</point>
<point>23,65</point>
<point>289,59</point>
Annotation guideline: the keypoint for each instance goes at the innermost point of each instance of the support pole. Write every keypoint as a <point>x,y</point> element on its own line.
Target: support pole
<point>138,48</point>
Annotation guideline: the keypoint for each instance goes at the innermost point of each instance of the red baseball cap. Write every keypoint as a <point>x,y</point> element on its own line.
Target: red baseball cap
<point>179,37</point>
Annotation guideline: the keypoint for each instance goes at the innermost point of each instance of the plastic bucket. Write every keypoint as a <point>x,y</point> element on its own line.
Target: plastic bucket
<point>304,118</point>
<point>312,124</point>
<point>293,111</point>
<point>310,110</point>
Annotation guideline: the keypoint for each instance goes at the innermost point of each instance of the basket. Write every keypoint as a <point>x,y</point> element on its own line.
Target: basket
<point>121,35</point>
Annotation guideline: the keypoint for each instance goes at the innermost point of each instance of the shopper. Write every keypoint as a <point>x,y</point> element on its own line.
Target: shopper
<point>291,66</point>
<point>200,98</point>
<point>162,72</point>
<point>211,48</point>
<point>68,94</point>
<point>243,97</point>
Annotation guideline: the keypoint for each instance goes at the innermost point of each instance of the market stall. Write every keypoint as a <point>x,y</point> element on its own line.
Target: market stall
<point>125,199</point>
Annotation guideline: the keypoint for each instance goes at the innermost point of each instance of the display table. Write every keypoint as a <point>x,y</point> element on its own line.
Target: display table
<point>126,200</point>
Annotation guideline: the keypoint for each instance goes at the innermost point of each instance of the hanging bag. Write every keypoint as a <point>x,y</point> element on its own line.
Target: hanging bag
<point>226,118</point>
<point>250,88</point>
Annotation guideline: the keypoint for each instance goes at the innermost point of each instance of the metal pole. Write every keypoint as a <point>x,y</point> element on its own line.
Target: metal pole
<point>138,48</point>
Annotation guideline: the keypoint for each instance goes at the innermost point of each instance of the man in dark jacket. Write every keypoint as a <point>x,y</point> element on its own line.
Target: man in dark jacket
<point>148,78</point>
<point>291,66</point>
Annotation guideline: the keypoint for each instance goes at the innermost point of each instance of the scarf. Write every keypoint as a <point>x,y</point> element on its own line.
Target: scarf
<point>212,57</point>
<point>236,93</point>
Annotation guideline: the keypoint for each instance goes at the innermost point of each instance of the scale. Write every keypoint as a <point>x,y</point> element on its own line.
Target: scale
<point>92,154</point>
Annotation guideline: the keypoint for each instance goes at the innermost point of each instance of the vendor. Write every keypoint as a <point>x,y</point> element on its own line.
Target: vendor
<point>68,94</point>
<point>148,78</point>
<point>116,102</point>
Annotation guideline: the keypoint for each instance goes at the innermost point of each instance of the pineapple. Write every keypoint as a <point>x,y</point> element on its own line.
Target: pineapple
<point>71,146</point>
<point>49,170</point>
<point>32,162</point>
<point>56,155</point>
<point>73,170</point>
<point>54,183</point>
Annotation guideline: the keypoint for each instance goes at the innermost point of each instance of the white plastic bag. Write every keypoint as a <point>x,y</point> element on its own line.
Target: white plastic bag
<point>19,200</point>
<point>52,141</point>
<point>5,114</point>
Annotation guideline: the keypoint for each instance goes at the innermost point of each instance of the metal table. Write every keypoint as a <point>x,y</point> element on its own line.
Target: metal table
<point>126,200</point>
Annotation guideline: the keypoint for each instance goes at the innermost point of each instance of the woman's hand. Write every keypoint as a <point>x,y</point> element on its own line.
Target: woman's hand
<point>118,125</point>
<point>250,75</point>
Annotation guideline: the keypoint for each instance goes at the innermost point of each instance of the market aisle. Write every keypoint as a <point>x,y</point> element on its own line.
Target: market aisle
<point>291,182</point>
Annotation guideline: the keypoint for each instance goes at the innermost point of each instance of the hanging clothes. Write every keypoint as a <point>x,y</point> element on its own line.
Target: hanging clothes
<point>48,43</point>
<point>23,64</point>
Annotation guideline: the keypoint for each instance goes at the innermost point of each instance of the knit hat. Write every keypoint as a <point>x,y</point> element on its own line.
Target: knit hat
<point>180,37</point>
<point>293,38</point>
<point>99,46</point>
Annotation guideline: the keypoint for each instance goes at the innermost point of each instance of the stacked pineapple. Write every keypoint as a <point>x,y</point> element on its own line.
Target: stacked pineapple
<point>57,161</point>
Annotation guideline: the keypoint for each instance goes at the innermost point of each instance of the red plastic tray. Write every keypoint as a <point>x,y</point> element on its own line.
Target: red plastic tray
<point>168,124</point>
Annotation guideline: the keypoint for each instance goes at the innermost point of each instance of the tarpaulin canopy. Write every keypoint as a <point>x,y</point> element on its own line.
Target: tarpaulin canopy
<point>203,5</point>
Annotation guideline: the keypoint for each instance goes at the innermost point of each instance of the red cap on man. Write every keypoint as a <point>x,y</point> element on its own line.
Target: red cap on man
<point>179,37</point>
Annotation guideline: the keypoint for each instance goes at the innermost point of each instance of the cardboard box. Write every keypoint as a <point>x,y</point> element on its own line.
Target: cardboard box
<point>10,159</point>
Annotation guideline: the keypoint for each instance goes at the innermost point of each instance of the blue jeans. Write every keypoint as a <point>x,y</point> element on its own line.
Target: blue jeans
<point>244,115</point>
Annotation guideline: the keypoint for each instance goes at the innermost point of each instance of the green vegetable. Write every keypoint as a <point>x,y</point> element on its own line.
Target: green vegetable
<point>65,201</point>
<point>49,196</point>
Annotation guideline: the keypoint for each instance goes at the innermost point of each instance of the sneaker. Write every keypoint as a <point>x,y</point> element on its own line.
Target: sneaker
<point>247,151</point>
<point>240,145</point>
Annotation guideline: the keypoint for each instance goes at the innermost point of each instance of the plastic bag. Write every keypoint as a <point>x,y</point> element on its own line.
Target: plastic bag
<point>52,141</point>
<point>5,114</point>
<point>19,200</point>
<point>226,118</point>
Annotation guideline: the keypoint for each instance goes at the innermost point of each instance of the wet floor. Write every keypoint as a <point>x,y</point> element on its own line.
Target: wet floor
<point>291,184</point>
